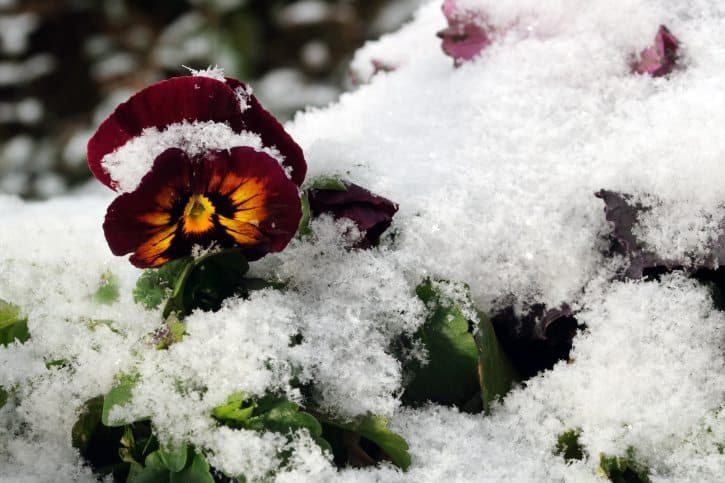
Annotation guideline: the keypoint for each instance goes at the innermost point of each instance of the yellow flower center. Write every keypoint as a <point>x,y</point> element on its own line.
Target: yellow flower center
<point>197,218</point>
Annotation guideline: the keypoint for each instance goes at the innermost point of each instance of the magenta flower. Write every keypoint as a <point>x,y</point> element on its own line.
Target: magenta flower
<point>661,58</point>
<point>371,213</point>
<point>467,33</point>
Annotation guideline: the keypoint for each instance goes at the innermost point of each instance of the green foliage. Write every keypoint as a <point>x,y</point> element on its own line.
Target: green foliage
<point>108,292</point>
<point>237,409</point>
<point>12,326</point>
<point>155,285</point>
<point>449,376</point>
<point>119,395</point>
<point>211,279</point>
<point>568,445</point>
<point>624,469</point>
<point>328,183</point>
<point>87,422</point>
<point>203,283</point>
<point>176,465</point>
<point>130,452</point>
<point>108,450</point>
<point>269,413</point>
<point>496,374</point>
<point>304,226</point>
<point>374,429</point>
<point>464,360</point>
<point>4,395</point>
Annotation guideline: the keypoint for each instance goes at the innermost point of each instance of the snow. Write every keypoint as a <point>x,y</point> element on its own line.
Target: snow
<point>494,165</point>
<point>286,90</point>
<point>215,72</point>
<point>193,137</point>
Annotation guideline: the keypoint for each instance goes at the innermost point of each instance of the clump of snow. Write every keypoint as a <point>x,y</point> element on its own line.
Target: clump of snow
<point>683,230</point>
<point>494,166</point>
<point>215,72</point>
<point>130,162</point>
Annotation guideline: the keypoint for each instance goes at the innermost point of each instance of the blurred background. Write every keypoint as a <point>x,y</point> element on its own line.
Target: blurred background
<point>66,64</point>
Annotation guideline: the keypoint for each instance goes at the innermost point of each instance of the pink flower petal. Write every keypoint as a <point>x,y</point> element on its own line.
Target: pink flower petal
<point>661,58</point>
<point>467,33</point>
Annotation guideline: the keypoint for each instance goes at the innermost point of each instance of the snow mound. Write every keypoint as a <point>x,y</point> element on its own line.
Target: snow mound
<point>494,165</point>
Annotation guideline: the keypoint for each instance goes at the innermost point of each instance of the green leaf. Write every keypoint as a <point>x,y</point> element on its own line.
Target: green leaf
<point>449,376</point>
<point>174,459</point>
<point>119,395</point>
<point>375,428</point>
<point>281,416</point>
<point>87,422</point>
<point>97,443</point>
<point>196,472</point>
<point>3,397</point>
<point>155,285</point>
<point>12,326</point>
<point>149,475</point>
<point>624,469</point>
<point>329,183</point>
<point>568,445</point>
<point>496,374</point>
<point>238,408</point>
<point>134,470</point>
<point>211,279</point>
<point>95,323</point>
<point>304,226</point>
<point>109,291</point>
<point>270,413</point>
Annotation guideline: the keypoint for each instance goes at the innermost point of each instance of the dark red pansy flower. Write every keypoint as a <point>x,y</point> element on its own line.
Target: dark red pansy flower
<point>661,58</point>
<point>192,99</point>
<point>228,198</point>
<point>371,213</point>
<point>467,33</point>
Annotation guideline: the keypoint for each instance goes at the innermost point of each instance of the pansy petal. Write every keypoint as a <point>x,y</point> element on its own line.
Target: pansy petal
<point>256,192</point>
<point>371,213</point>
<point>175,100</point>
<point>468,33</point>
<point>135,218</point>
<point>256,119</point>
<point>154,252</point>
<point>661,58</point>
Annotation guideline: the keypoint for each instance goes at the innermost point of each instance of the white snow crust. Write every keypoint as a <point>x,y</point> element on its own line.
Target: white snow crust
<point>494,165</point>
